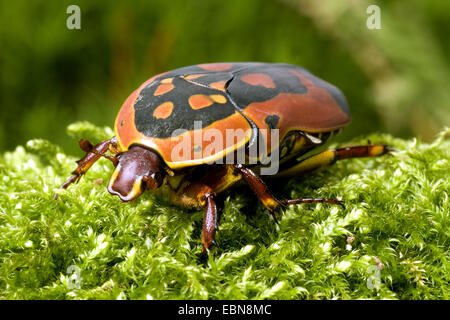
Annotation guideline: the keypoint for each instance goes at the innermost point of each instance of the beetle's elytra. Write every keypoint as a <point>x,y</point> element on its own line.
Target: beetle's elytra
<point>176,107</point>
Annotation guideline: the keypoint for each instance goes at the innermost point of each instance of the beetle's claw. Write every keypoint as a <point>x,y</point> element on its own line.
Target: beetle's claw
<point>273,213</point>
<point>275,218</point>
<point>73,179</point>
<point>207,249</point>
<point>388,149</point>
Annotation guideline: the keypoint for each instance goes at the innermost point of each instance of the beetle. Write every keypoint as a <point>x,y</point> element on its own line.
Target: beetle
<point>280,100</point>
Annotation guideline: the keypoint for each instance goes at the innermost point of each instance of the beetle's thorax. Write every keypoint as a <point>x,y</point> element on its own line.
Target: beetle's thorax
<point>137,169</point>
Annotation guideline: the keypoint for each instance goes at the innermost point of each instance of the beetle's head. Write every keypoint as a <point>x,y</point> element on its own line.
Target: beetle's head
<point>137,169</point>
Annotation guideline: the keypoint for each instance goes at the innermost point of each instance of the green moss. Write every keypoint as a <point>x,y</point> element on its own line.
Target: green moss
<point>395,229</point>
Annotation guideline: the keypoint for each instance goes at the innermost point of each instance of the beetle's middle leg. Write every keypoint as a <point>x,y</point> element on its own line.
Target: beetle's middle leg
<point>93,153</point>
<point>270,202</point>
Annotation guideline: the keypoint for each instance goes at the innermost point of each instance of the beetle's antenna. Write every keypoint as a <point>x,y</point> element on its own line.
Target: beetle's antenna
<point>93,153</point>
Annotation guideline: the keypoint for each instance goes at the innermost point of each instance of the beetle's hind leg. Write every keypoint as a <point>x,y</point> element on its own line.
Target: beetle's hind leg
<point>93,153</point>
<point>328,157</point>
<point>315,162</point>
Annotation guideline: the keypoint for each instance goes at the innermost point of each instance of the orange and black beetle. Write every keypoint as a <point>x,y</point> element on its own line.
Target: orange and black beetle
<point>157,145</point>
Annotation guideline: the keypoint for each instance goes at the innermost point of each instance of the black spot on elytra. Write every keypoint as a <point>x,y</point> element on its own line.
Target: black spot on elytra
<point>272,121</point>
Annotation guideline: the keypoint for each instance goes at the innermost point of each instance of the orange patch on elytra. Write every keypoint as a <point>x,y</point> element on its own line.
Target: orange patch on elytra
<point>167,80</point>
<point>258,79</point>
<point>216,66</point>
<point>163,111</point>
<point>200,101</point>
<point>219,85</point>
<point>163,88</point>
<point>194,76</point>
<point>218,98</point>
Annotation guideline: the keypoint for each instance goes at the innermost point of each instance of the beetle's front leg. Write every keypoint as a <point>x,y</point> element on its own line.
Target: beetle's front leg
<point>197,194</point>
<point>201,193</point>
<point>93,153</point>
<point>209,222</point>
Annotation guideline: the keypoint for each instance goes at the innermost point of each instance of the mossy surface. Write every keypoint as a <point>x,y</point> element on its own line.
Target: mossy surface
<point>391,240</point>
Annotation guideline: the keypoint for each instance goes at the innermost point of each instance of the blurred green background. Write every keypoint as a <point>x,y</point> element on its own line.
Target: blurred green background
<point>396,79</point>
